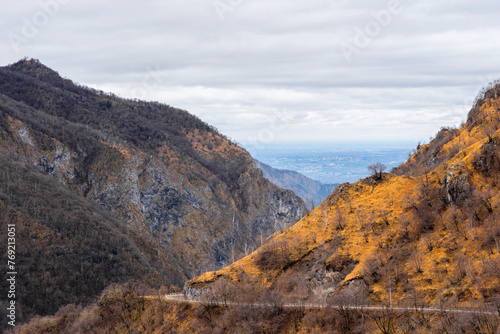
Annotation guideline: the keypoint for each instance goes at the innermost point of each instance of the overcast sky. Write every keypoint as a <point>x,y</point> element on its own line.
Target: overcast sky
<point>269,70</point>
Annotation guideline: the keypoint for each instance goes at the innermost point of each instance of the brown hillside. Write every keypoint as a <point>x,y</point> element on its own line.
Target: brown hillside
<point>429,233</point>
<point>190,199</point>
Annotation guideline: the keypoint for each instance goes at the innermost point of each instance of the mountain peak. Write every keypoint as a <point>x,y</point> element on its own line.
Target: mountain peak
<point>30,65</point>
<point>483,103</point>
<point>34,68</point>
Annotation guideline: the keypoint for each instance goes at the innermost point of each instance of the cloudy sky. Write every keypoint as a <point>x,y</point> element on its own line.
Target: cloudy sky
<point>270,71</point>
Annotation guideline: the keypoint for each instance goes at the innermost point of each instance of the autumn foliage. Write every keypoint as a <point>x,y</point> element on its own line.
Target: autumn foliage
<point>426,234</point>
<point>421,244</point>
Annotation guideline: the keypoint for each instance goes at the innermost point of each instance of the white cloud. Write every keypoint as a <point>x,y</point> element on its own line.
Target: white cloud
<point>419,72</point>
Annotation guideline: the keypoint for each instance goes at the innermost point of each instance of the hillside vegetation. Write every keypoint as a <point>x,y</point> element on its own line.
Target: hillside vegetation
<point>185,198</point>
<point>67,248</point>
<point>426,234</point>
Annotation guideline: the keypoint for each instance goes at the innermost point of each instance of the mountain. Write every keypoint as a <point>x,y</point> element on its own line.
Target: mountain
<point>311,191</point>
<point>185,198</point>
<point>426,234</point>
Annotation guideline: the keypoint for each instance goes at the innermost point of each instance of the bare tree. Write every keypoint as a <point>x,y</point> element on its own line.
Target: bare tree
<point>339,219</point>
<point>273,255</point>
<point>386,320</point>
<point>377,169</point>
<point>417,260</point>
<point>274,300</point>
<point>224,291</point>
<point>343,303</point>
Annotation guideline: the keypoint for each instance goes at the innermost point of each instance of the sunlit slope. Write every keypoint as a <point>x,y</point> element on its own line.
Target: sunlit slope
<point>428,232</point>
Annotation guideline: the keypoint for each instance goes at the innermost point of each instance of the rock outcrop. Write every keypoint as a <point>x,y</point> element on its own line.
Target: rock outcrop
<point>455,184</point>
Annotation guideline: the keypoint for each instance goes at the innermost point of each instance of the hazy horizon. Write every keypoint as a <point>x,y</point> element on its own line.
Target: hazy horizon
<point>333,162</point>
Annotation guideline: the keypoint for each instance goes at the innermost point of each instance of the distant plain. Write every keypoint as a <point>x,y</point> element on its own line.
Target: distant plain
<point>331,163</point>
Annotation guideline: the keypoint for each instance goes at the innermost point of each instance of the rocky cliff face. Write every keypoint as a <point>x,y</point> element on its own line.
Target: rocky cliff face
<point>177,182</point>
<point>68,249</point>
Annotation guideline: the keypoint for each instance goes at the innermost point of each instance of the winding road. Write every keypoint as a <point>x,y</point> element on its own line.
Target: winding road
<point>183,299</point>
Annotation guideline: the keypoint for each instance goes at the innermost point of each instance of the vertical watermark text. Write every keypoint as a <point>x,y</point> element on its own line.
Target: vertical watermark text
<point>11,274</point>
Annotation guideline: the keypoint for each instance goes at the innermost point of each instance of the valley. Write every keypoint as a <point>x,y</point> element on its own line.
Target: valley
<point>118,203</point>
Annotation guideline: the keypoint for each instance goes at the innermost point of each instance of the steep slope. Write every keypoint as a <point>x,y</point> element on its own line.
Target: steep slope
<point>429,233</point>
<point>177,183</point>
<point>67,249</point>
<point>311,191</point>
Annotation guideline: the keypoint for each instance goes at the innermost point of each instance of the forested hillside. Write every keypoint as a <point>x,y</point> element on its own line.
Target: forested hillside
<point>185,198</point>
<point>67,248</point>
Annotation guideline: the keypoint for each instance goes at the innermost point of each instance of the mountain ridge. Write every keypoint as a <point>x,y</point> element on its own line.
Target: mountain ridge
<point>311,191</point>
<point>189,198</point>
